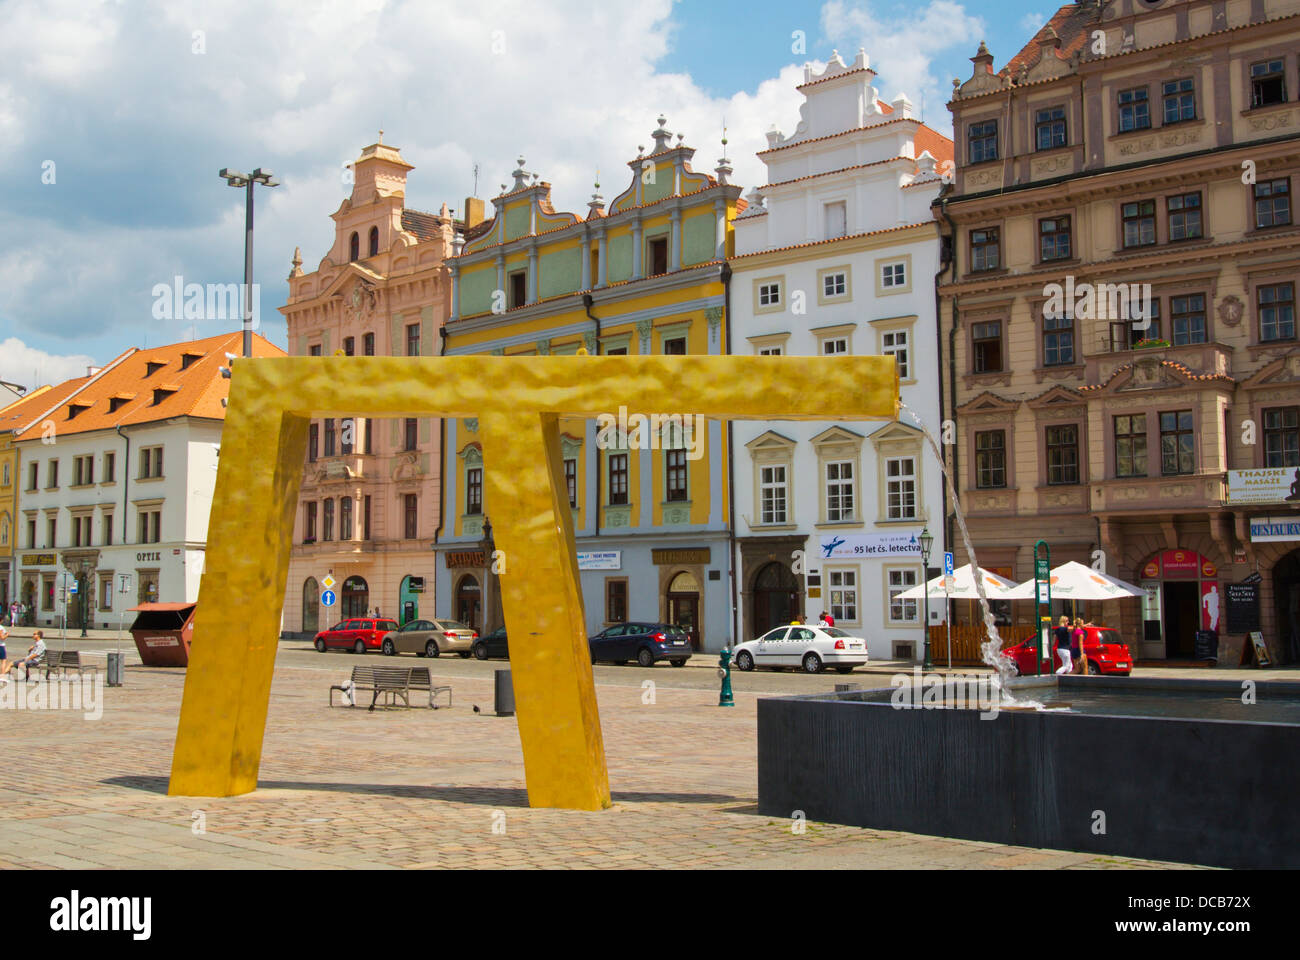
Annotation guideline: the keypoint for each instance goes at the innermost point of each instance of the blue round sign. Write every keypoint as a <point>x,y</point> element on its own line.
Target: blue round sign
<point>328,598</point>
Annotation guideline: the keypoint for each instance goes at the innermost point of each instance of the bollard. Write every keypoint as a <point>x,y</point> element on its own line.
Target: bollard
<point>505,694</point>
<point>114,670</point>
<point>725,699</point>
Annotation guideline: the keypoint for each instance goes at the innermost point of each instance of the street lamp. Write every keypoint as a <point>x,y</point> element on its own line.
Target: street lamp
<point>236,179</point>
<point>927,541</point>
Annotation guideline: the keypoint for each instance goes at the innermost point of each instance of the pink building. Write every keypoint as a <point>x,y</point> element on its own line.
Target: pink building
<point>369,510</point>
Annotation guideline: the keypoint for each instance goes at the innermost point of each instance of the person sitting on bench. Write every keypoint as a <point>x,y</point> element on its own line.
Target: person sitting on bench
<point>34,654</point>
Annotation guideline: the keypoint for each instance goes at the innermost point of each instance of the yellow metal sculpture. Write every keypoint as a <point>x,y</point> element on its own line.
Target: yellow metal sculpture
<point>518,401</point>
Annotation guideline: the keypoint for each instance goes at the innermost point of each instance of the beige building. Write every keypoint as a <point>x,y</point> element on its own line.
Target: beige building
<point>1148,151</point>
<point>369,509</point>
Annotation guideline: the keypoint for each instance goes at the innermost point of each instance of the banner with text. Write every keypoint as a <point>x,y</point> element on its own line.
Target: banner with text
<point>851,546</point>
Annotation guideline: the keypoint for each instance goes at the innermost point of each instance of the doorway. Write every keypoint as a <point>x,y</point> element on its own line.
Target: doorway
<point>311,606</point>
<point>776,597</point>
<point>356,598</point>
<point>1286,593</point>
<point>1182,611</point>
<point>684,605</point>
<point>469,601</point>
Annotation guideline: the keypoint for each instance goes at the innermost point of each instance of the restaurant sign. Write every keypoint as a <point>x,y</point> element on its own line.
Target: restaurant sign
<point>39,559</point>
<point>1274,529</point>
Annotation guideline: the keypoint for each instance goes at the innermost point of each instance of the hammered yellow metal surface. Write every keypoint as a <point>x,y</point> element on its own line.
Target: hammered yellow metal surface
<point>518,401</point>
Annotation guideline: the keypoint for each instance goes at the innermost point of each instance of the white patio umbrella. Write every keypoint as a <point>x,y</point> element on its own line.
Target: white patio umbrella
<point>1074,581</point>
<point>963,587</point>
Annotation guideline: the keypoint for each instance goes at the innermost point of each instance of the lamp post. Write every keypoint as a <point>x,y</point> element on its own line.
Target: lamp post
<point>927,541</point>
<point>489,547</point>
<point>236,179</point>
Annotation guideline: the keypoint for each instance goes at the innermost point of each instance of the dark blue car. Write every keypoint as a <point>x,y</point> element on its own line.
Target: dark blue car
<point>646,643</point>
<point>493,646</point>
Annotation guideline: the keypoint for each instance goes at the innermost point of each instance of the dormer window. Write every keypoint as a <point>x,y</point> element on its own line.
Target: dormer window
<point>116,403</point>
<point>374,241</point>
<point>354,248</point>
<point>152,367</point>
<point>187,359</point>
<point>77,408</point>
<point>161,394</point>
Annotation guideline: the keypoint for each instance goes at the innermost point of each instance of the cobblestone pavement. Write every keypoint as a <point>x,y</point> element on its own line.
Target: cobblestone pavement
<point>419,788</point>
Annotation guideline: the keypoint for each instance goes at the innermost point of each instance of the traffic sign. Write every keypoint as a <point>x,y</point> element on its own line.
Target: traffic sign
<point>947,564</point>
<point>328,598</point>
<point>72,588</point>
<point>328,583</point>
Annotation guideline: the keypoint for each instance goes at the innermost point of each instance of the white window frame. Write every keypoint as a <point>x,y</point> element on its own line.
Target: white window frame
<point>766,484</point>
<point>901,480</point>
<point>842,585</point>
<point>770,344</point>
<point>852,514</point>
<point>845,295</point>
<point>892,588</point>
<point>763,286</point>
<point>885,290</point>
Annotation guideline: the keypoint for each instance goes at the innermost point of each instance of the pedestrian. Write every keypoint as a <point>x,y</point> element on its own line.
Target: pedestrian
<point>827,620</point>
<point>1077,636</point>
<point>4,654</point>
<point>32,659</point>
<point>1062,633</point>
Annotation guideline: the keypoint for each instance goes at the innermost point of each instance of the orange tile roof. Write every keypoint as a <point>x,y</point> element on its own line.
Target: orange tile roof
<point>1073,24</point>
<point>20,414</point>
<point>195,392</point>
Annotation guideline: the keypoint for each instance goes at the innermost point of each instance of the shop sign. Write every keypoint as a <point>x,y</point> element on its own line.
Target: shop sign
<point>465,558</point>
<point>665,557</point>
<point>1180,564</point>
<point>1274,529</point>
<point>1243,606</point>
<point>149,557</point>
<point>1151,601</point>
<point>854,546</point>
<point>600,559</point>
<point>1265,485</point>
<point>39,559</point>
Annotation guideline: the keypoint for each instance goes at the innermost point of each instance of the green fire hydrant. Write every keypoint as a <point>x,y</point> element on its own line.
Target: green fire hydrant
<point>725,699</point>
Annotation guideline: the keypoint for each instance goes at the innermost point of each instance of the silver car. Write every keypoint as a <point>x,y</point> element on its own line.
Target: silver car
<point>429,638</point>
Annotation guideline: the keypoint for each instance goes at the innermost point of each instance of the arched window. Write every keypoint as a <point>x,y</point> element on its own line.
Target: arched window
<point>374,241</point>
<point>354,247</point>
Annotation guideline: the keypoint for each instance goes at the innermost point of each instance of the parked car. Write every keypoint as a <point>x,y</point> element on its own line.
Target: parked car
<point>429,638</point>
<point>808,647</point>
<point>492,646</point>
<point>1103,649</point>
<point>646,643</point>
<point>358,635</point>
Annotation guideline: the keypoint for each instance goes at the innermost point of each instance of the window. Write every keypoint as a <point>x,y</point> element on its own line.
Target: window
<point>571,480</point>
<point>1184,216</point>
<point>151,462</point>
<point>331,438</point>
<point>354,248</point>
<point>985,250</point>
<point>1058,341</point>
<point>365,518</point>
<point>106,593</point>
<point>844,594</point>
<point>1131,445</point>
<point>1177,450</point>
<point>83,470</point>
<point>658,255</point>
<point>31,534</point>
<point>327,520</point>
<point>410,514</point>
<point>894,343</point>
<point>986,346</point>
<point>412,339</point>
<point>347,436</point>
<point>345,518</point>
<point>769,294</point>
<point>900,488</point>
<point>151,367</point>
<point>52,475</point>
<point>313,442</point>
<point>309,522</point>
<point>32,475</point>
<point>893,275</point>
<point>982,140</point>
<point>474,490</point>
<point>116,403</point>
<point>832,346</point>
<point>835,284</point>
<point>617,479</point>
<point>675,347</point>
<point>1139,223</point>
<point>108,529</point>
<point>1049,128</point>
<point>1063,454</point>
<point>1267,83</point>
<point>1282,437</point>
<point>349,346</point>
<point>52,532</point>
<point>314,350</point>
<point>1152,332</point>
<point>675,461</point>
<point>188,358</point>
<point>518,288</point>
<point>901,611</point>
<point>1187,319</point>
<point>839,491</point>
<point>368,345</point>
<point>616,352</point>
<point>110,467</point>
<point>149,526</point>
<point>991,459</point>
<point>773,494</point>
<point>1179,101</point>
<point>1054,238</point>
<point>374,244</point>
<point>1272,203</point>
<point>615,601</point>
<point>1276,306</point>
<point>409,433</point>
<point>774,351</point>
<point>81,531</point>
<point>836,219</point>
<point>1134,112</point>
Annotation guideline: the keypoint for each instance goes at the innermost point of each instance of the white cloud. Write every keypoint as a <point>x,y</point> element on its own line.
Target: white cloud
<point>1031,23</point>
<point>30,367</point>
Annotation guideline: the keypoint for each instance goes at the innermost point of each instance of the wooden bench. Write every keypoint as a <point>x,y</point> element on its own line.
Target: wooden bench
<point>392,682</point>
<point>63,662</point>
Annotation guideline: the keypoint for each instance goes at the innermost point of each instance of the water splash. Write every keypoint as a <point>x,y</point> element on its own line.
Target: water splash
<point>990,649</point>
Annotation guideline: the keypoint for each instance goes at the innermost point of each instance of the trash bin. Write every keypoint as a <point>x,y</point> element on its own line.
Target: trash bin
<point>162,633</point>
<point>505,694</point>
<point>114,671</point>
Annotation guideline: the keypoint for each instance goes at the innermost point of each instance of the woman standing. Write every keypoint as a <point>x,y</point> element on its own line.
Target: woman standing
<point>1063,644</point>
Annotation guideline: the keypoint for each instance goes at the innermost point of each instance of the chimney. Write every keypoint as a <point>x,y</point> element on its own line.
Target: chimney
<point>473,212</point>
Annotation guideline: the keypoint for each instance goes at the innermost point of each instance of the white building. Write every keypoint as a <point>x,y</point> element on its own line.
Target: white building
<point>116,475</point>
<point>837,254</point>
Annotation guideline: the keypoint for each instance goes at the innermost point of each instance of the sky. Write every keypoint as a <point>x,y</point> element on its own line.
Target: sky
<point>115,116</point>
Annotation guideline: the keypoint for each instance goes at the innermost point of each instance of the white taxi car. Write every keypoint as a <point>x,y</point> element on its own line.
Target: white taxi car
<point>808,647</point>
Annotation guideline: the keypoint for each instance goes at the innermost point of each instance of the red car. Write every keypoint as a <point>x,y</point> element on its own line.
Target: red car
<point>1103,648</point>
<point>358,635</point>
